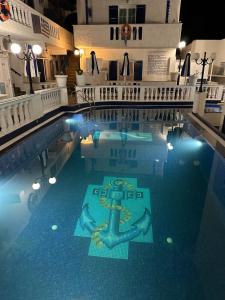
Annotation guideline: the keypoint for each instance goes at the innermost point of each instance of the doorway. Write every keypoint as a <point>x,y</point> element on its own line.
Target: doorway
<point>138,68</point>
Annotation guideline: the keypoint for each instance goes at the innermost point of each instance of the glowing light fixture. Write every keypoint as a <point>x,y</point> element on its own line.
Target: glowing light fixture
<point>81,52</point>
<point>170,146</point>
<point>54,227</point>
<point>36,186</point>
<point>77,52</point>
<point>182,45</point>
<point>15,48</point>
<point>52,180</point>
<point>37,49</point>
<point>169,240</point>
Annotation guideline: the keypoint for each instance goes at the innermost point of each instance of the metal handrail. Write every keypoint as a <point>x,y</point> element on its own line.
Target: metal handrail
<point>84,97</point>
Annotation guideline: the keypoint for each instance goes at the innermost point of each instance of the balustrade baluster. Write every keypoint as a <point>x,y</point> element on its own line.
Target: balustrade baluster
<point>15,115</point>
<point>26,111</point>
<point>21,113</point>
<point>3,124</point>
<point>9,118</point>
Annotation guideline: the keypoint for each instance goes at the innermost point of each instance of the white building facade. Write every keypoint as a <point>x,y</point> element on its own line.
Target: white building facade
<point>29,26</point>
<point>154,33</point>
<point>216,71</point>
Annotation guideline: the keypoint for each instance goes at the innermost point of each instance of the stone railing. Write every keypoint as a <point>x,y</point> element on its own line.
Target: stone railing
<point>19,111</point>
<point>26,21</point>
<point>135,93</point>
<point>214,92</point>
<point>20,13</point>
<point>50,99</point>
<point>135,34</point>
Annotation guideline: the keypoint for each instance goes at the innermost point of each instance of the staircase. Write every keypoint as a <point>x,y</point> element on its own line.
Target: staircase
<point>18,92</point>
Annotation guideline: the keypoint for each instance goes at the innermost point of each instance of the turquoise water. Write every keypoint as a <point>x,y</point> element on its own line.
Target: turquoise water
<point>113,204</point>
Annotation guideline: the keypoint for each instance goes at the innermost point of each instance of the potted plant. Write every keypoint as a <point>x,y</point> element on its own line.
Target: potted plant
<point>62,78</point>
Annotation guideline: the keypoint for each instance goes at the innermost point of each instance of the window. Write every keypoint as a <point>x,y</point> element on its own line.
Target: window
<point>113,70</point>
<point>140,14</point>
<point>127,15</point>
<point>113,14</point>
<point>167,10</point>
<point>132,15</point>
<point>123,16</point>
<point>138,67</point>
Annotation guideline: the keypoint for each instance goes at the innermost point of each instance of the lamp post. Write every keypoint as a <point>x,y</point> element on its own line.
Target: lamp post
<point>181,45</point>
<point>28,56</point>
<point>204,62</point>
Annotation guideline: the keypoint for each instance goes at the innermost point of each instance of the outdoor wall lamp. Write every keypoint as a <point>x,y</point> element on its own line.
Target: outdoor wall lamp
<point>79,53</point>
<point>203,61</point>
<point>28,56</point>
<point>181,45</point>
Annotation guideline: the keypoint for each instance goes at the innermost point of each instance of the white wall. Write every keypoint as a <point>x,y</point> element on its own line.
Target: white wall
<point>155,10</point>
<point>105,55</point>
<point>210,46</point>
<point>154,36</point>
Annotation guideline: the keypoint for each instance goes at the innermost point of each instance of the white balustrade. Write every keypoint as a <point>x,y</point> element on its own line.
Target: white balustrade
<point>20,12</point>
<point>135,34</point>
<point>214,92</point>
<point>19,111</point>
<point>14,113</point>
<point>135,93</point>
<point>50,99</point>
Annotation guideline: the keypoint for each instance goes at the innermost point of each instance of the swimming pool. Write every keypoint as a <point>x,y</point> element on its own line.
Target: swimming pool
<point>113,204</point>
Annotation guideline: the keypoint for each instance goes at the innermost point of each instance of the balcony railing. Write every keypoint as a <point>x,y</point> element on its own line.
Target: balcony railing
<point>20,13</point>
<point>136,33</point>
<point>19,111</point>
<point>34,23</point>
<point>135,93</point>
<point>214,92</point>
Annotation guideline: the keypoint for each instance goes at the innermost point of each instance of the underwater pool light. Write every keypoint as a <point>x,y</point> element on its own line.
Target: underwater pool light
<point>36,186</point>
<point>69,121</point>
<point>170,146</point>
<point>54,227</point>
<point>156,160</point>
<point>199,143</point>
<point>52,180</point>
<point>169,240</point>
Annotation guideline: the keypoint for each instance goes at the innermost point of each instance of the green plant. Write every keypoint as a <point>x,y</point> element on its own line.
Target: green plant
<point>80,72</point>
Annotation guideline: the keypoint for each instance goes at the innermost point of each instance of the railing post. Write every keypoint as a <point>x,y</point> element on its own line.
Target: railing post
<point>64,96</point>
<point>192,93</point>
<point>36,107</point>
<point>3,124</point>
<point>220,92</point>
<point>97,93</point>
<point>120,88</point>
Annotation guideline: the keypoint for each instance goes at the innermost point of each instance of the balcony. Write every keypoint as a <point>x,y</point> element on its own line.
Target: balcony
<point>142,36</point>
<point>27,23</point>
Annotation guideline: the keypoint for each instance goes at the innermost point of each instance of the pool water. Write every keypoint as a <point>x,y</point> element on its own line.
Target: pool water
<point>113,204</point>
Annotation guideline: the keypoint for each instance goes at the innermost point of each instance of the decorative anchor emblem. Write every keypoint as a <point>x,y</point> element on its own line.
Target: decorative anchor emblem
<point>109,234</point>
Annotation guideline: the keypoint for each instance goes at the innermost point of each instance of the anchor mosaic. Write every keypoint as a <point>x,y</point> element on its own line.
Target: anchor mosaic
<point>113,215</point>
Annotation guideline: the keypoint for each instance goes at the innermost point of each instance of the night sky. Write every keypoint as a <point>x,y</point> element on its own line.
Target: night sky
<point>203,19</point>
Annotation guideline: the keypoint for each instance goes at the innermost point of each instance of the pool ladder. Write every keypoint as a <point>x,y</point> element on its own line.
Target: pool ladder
<point>85,98</point>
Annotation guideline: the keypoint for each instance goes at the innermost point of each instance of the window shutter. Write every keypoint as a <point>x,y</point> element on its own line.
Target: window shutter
<point>140,14</point>
<point>113,14</point>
